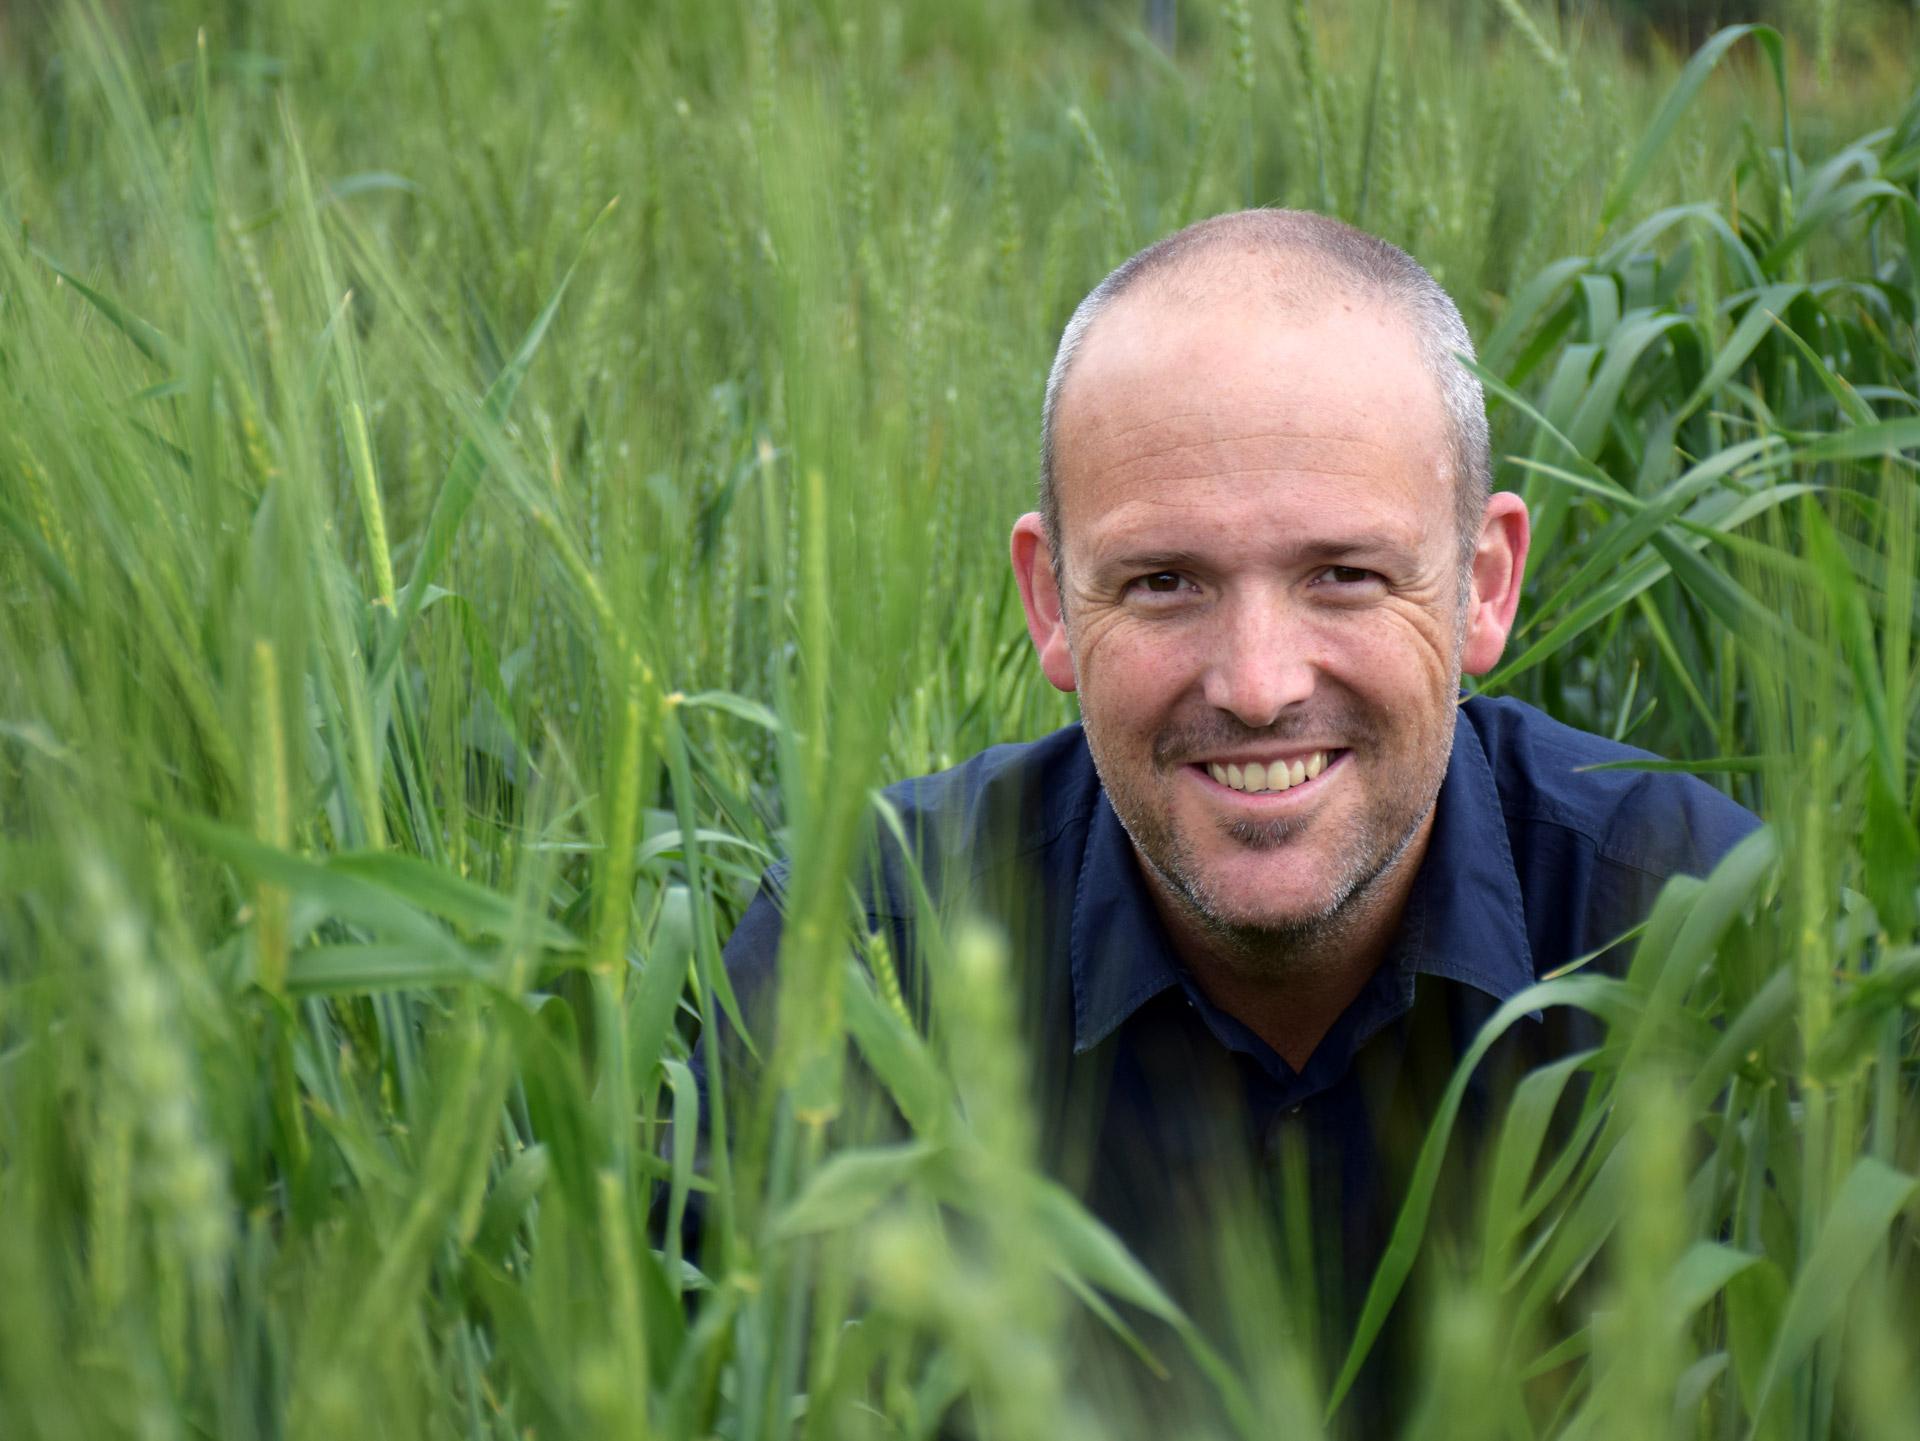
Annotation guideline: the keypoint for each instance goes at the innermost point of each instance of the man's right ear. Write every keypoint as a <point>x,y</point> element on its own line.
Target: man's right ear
<point>1040,593</point>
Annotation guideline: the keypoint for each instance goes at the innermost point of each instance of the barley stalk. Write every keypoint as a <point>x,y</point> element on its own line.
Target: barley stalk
<point>272,816</point>
<point>366,485</point>
<point>1112,210</point>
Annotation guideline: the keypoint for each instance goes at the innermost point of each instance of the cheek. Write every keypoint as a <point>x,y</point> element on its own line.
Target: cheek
<point>1130,675</point>
<point>1411,650</point>
<point>1400,669</point>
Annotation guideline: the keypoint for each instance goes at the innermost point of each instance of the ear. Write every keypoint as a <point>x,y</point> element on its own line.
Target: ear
<point>1499,563</point>
<point>1033,569</point>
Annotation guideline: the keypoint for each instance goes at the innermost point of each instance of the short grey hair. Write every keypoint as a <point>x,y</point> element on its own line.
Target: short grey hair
<point>1332,256</point>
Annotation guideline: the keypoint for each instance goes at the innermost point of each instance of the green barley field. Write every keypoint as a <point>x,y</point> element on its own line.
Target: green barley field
<point>477,483</point>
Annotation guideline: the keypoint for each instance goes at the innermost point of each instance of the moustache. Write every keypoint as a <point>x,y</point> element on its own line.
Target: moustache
<point>1193,739</point>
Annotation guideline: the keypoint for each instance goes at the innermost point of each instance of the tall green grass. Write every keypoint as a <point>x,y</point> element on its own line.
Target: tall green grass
<point>476,485</point>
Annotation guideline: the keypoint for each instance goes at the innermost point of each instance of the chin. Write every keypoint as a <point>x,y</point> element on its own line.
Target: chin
<point>1247,915</point>
<point>1259,924</point>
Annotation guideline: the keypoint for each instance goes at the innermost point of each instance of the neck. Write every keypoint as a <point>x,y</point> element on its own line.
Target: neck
<point>1289,987</point>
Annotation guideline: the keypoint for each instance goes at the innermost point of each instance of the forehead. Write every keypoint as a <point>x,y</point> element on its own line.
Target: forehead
<point>1177,410</point>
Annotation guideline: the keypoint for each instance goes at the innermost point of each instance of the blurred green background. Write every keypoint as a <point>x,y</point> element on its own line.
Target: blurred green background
<point>477,483</point>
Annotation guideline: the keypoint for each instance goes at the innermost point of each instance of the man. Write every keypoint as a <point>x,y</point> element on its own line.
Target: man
<point>1266,893</point>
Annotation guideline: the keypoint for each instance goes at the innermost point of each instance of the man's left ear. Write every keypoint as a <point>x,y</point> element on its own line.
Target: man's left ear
<point>1499,563</point>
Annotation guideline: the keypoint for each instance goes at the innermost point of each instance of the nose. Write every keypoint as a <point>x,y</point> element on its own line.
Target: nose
<point>1260,664</point>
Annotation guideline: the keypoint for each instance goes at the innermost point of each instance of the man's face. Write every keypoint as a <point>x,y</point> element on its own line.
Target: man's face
<point>1262,599</point>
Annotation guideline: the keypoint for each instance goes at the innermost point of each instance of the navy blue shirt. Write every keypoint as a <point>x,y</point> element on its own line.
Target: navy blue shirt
<point>1169,1116</point>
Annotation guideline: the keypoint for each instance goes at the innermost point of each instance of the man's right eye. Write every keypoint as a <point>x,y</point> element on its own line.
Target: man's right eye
<point>1160,589</point>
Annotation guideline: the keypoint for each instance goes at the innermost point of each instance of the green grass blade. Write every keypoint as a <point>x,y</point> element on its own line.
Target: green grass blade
<point>1596,993</point>
<point>1853,1234</point>
<point>853,1185</point>
<point>1667,119</point>
<point>453,898</point>
<point>469,467</point>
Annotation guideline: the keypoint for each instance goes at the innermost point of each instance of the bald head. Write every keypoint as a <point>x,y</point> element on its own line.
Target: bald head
<point>1288,267</point>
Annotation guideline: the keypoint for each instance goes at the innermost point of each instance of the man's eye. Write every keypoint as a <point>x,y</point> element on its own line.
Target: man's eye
<point>1168,585</point>
<point>1348,575</point>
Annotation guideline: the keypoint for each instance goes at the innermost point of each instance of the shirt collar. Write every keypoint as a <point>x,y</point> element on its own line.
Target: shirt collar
<point>1121,956</point>
<point>1464,922</point>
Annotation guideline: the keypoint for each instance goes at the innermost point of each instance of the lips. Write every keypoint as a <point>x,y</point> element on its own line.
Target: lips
<point>1272,775</point>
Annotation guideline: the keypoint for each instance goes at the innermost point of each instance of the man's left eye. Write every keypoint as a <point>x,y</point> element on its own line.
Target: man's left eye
<point>1348,575</point>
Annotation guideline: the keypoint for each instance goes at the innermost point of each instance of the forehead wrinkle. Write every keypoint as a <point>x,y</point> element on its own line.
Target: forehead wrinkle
<point>1217,474</point>
<point>1136,428</point>
<point>1305,453</point>
<point>1290,437</point>
<point>1363,529</point>
<point>1245,412</point>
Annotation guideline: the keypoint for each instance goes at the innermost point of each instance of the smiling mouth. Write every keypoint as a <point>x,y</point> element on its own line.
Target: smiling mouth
<point>1272,775</point>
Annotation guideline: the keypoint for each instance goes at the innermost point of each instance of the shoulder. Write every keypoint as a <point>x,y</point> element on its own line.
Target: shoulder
<point>1033,783</point>
<point>1004,803</point>
<point>1006,809</point>
<point>1658,822</point>
<point>1007,802</point>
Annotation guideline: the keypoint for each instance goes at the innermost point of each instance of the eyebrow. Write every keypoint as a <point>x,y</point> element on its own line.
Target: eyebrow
<point>1147,560</point>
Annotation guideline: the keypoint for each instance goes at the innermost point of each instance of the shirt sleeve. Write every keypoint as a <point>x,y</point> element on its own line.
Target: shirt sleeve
<point>750,957</point>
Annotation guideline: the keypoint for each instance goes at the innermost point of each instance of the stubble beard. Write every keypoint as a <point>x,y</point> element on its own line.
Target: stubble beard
<point>1370,848</point>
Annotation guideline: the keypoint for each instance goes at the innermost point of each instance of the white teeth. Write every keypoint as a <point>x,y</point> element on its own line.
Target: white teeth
<point>1257,776</point>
